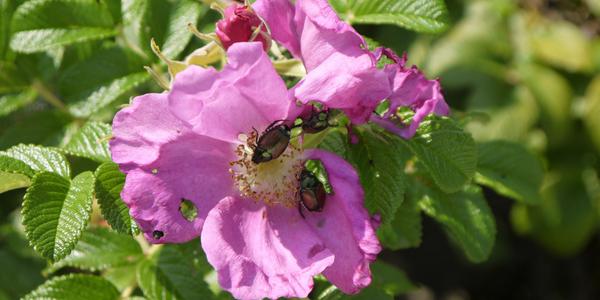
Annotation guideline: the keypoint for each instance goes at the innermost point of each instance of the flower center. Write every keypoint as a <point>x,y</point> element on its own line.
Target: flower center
<point>273,181</point>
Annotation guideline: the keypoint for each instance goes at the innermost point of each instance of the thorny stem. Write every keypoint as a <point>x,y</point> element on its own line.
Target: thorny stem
<point>49,97</point>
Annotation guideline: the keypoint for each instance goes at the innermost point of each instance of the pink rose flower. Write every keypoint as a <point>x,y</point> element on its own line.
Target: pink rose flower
<point>237,26</point>
<point>341,71</point>
<point>409,88</point>
<point>195,143</point>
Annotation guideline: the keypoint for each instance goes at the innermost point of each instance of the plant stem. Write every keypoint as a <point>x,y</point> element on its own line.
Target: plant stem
<point>49,97</point>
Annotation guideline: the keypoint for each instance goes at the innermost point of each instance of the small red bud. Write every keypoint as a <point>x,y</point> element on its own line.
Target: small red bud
<point>237,26</point>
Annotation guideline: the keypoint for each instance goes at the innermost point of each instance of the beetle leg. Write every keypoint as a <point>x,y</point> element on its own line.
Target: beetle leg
<point>300,208</point>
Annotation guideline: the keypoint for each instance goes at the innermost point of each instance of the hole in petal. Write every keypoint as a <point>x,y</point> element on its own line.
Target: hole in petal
<point>157,234</point>
<point>188,210</point>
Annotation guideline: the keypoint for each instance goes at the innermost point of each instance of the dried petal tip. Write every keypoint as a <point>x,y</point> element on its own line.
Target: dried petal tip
<point>239,25</point>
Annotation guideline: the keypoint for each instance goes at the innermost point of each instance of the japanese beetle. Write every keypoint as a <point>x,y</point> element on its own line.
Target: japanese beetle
<point>158,234</point>
<point>316,122</point>
<point>272,143</point>
<point>311,192</point>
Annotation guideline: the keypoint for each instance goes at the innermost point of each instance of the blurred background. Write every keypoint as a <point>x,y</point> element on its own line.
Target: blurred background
<point>525,71</point>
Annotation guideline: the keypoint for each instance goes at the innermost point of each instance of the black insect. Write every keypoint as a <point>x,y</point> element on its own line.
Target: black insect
<point>271,143</point>
<point>311,193</point>
<point>158,234</point>
<point>316,122</point>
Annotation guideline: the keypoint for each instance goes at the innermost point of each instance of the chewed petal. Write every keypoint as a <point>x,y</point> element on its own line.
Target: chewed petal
<point>262,251</point>
<point>247,93</point>
<point>193,168</point>
<point>344,225</point>
<point>141,129</point>
<point>166,162</point>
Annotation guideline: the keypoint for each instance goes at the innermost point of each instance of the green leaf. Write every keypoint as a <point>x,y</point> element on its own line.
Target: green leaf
<point>18,275</point>
<point>465,213</point>
<point>429,16</point>
<point>391,279</point>
<point>6,11</point>
<point>75,287</point>
<point>10,181</point>
<point>99,248</point>
<point>169,276</point>
<point>448,152</point>
<point>45,128</point>
<point>561,44</point>
<point>592,110</point>
<point>178,36</point>
<point>109,183</point>
<point>14,174</point>
<point>378,163</point>
<point>509,120</point>
<point>553,94</point>
<point>11,102</point>
<point>56,211</point>
<point>84,143</point>
<point>566,219</point>
<point>13,165</point>
<point>14,79</point>
<point>368,293</point>
<point>406,229</point>
<point>99,80</point>
<point>511,170</point>
<point>40,159</point>
<point>37,28</point>
<point>167,24</point>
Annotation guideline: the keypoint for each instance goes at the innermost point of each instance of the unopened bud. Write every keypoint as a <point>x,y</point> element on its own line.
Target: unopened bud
<point>240,25</point>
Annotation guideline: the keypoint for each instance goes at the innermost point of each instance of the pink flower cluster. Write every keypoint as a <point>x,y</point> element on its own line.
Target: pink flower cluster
<point>196,143</point>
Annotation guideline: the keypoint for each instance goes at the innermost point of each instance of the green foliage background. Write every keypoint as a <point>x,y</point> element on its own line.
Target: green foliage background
<point>521,77</point>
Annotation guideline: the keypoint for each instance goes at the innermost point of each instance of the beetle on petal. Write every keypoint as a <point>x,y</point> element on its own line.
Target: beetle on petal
<point>311,192</point>
<point>272,143</point>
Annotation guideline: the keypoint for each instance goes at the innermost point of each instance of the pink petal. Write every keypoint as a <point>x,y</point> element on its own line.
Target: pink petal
<point>323,34</point>
<point>345,226</point>
<point>148,137</point>
<point>141,129</point>
<point>247,93</point>
<point>279,15</point>
<point>351,84</point>
<point>262,251</point>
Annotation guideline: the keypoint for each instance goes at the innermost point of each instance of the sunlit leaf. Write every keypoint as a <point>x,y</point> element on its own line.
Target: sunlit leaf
<point>55,212</point>
<point>99,249</point>
<point>448,152</point>
<point>511,170</point>
<point>11,102</point>
<point>109,183</point>
<point>40,158</point>
<point>85,142</point>
<point>99,80</point>
<point>429,16</point>
<point>36,27</point>
<point>379,165</point>
<point>75,287</point>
